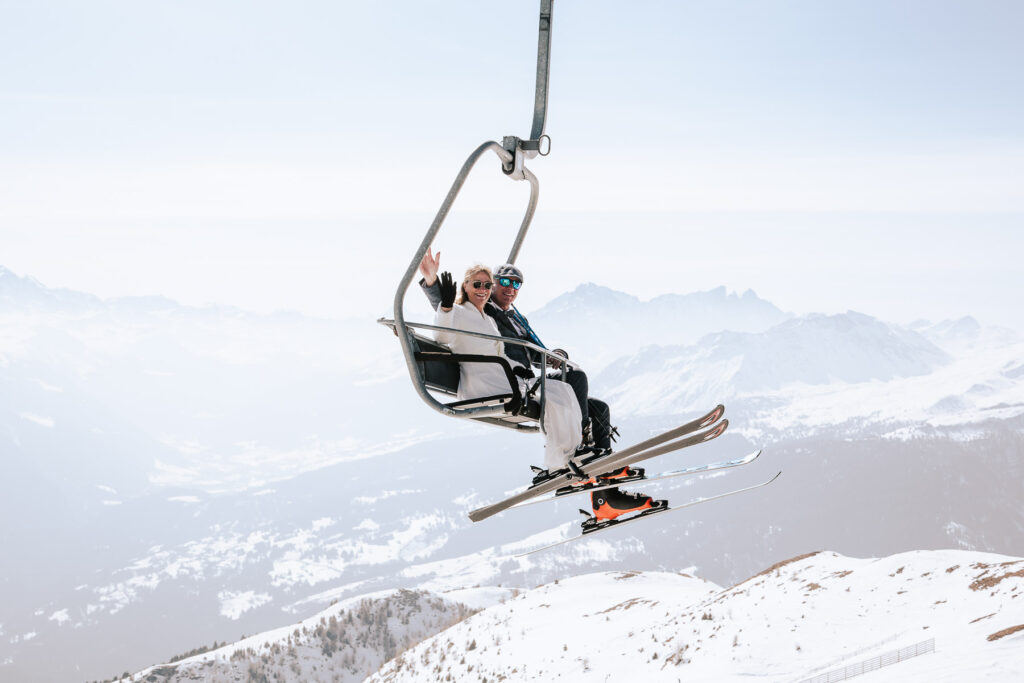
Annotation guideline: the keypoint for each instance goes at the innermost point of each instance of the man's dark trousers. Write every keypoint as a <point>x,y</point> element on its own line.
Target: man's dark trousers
<point>593,409</point>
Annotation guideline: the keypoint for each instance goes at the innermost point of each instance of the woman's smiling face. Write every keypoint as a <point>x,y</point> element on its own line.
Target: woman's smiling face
<point>478,287</point>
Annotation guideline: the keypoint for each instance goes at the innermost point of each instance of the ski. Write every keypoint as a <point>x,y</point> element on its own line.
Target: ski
<point>644,479</point>
<point>647,513</point>
<point>635,453</point>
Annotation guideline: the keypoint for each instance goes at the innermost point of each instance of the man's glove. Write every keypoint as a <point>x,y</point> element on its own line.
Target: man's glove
<point>554,358</point>
<point>520,371</point>
<point>447,290</point>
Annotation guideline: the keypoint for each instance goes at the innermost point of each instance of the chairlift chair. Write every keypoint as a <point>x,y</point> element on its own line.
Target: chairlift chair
<point>432,366</point>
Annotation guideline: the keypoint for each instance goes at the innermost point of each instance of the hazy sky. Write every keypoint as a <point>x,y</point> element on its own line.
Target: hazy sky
<point>829,155</point>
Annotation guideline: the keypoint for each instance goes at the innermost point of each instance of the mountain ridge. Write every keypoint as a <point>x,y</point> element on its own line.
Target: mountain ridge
<point>811,613</point>
<point>597,324</point>
<point>339,644</point>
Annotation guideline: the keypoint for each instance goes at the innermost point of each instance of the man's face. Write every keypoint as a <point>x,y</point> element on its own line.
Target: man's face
<point>504,295</point>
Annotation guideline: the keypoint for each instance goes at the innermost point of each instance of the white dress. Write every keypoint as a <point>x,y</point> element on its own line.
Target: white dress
<point>562,417</point>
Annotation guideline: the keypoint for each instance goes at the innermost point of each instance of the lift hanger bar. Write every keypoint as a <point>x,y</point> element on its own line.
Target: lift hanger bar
<point>540,101</point>
<point>527,149</point>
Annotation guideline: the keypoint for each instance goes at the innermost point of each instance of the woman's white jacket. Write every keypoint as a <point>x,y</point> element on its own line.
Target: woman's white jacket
<point>562,418</point>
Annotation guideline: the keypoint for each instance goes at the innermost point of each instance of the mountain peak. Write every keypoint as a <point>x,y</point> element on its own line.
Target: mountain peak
<point>587,296</point>
<point>24,292</point>
<point>590,294</point>
<point>600,324</point>
<point>718,296</point>
<point>11,279</point>
<point>595,291</point>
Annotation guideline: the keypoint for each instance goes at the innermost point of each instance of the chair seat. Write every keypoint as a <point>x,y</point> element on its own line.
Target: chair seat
<point>439,369</point>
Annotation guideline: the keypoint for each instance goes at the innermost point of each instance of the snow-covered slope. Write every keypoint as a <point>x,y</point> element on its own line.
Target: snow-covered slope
<point>342,643</point>
<point>806,616</point>
<point>818,373</point>
<point>596,324</point>
<point>814,349</point>
<point>963,334</point>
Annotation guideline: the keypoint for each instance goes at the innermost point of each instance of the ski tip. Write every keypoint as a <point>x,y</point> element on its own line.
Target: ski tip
<point>751,457</point>
<point>717,431</point>
<point>714,416</point>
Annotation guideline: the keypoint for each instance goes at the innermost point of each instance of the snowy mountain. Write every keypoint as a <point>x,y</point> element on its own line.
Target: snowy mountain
<point>211,471</point>
<point>267,559</point>
<point>809,350</point>
<point>597,325</point>
<point>120,418</point>
<point>23,293</point>
<point>344,642</point>
<point>204,393</point>
<point>784,376</point>
<point>813,614</point>
<point>818,373</point>
<point>963,334</point>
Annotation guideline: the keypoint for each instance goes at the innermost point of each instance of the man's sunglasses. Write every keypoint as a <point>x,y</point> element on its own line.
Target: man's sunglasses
<point>486,285</point>
<point>509,282</point>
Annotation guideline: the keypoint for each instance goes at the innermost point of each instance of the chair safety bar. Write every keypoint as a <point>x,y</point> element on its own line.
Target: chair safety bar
<point>551,359</point>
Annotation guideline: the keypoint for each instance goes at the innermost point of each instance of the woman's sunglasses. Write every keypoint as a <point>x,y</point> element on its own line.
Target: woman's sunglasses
<point>486,285</point>
<point>509,282</point>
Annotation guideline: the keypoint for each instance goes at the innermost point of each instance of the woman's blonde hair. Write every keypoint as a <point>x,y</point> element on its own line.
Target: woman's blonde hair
<point>473,270</point>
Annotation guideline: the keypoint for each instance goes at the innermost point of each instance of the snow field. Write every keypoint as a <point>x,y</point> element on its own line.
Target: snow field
<point>811,615</point>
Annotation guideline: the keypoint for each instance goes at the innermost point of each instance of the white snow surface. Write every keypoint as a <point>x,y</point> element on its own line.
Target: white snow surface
<point>810,615</point>
<point>235,604</point>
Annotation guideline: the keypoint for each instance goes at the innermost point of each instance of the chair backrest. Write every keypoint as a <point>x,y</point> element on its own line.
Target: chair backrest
<point>439,376</point>
<point>442,375</point>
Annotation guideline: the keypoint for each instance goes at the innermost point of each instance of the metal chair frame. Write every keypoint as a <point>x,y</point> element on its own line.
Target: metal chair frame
<point>512,153</point>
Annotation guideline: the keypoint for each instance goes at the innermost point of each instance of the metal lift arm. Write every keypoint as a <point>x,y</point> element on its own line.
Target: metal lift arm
<point>511,153</point>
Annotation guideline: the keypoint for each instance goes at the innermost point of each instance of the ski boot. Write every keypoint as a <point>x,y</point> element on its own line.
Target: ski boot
<point>588,450</point>
<point>573,470</point>
<point>619,475</point>
<point>588,454</point>
<point>541,475</point>
<point>610,504</point>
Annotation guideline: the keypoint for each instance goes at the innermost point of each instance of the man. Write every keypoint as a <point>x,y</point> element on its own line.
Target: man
<point>513,324</point>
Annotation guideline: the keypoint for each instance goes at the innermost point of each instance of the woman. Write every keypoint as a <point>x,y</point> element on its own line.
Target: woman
<point>562,411</point>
